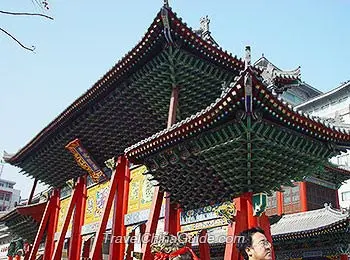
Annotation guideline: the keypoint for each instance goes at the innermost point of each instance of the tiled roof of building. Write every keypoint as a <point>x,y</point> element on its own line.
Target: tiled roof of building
<point>130,102</point>
<point>318,221</point>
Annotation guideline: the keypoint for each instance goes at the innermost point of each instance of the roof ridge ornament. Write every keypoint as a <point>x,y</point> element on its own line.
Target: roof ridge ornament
<point>204,25</point>
<point>165,19</point>
<point>166,4</point>
<point>248,85</point>
<point>248,58</point>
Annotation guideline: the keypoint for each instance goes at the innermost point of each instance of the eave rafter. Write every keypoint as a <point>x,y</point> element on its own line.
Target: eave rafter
<point>234,147</point>
<point>131,100</point>
<point>153,39</point>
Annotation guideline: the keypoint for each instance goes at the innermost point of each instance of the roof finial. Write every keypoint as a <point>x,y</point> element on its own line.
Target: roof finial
<point>204,22</point>
<point>166,3</point>
<point>247,56</point>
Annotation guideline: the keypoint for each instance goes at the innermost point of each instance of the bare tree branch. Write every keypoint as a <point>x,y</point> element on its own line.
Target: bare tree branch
<point>26,14</point>
<point>14,38</point>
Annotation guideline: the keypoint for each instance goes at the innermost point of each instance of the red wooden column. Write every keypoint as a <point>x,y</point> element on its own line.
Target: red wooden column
<point>235,228</point>
<point>172,211</point>
<point>86,250</point>
<point>337,204</point>
<point>279,200</point>
<point>344,257</point>
<point>303,196</point>
<point>119,186</point>
<point>51,228</point>
<point>32,192</point>
<point>73,202</point>
<point>78,220</point>
<point>265,225</point>
<point>27,254</point>
<point>42,227</point>
<point>152,223</point>
<point>204,250</point>
<point>252,220</point>
<point>117,248</point>
<point>131,246</point>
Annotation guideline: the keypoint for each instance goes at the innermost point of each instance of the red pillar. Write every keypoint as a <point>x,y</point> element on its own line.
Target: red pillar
<point>204,250</point>
<point>252,220</point>
<point>172,211</point>
<point>279,200</point>
<point>27,253</point>
<point>337,204</point>
<point>117,248</point>
<point>51,228</point>
<point>32,192</point>
<point>344,257</point>
<point>131,245</point>
<point>265,225</point>
<point>74,198</point>
<point>118,177</point>
<point>152,223</point>
<point>303,196</point>
<point>41,230</point>
<point>78,220</point>
<point>235,228</point>
<point>86,249</point>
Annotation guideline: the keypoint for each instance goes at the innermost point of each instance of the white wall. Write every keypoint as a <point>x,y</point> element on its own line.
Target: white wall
<point>330,106</point>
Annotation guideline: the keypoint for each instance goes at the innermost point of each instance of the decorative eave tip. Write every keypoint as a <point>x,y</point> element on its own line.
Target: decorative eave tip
<point>248,57</point>
<point>166,3</point>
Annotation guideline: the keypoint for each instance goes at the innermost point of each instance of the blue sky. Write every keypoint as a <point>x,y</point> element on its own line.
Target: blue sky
<point>88,37</point>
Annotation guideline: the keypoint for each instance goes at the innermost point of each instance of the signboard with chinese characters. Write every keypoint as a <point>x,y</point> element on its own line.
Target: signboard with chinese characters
<point>85,161</point>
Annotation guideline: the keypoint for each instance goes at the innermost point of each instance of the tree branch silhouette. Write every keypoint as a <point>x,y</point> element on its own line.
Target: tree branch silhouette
<point>26,14</point>
<point>15,39</point>
<point>22,14</point>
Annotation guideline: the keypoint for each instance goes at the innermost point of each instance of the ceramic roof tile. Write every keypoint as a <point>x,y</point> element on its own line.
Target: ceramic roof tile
<point>307,221</point>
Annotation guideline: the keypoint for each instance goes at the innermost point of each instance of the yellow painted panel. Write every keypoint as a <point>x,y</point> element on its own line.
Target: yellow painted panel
<point>96,199</point>
<point>140,191</point>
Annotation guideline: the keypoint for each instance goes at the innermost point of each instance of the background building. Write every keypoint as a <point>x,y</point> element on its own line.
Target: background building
<point>334,107</point>
<point>9,197</point>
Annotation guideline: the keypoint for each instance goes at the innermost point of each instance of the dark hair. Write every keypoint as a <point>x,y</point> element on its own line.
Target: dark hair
<point>246,240</point>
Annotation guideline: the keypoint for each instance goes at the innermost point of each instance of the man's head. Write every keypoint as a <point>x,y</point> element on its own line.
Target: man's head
<point>254,246</point>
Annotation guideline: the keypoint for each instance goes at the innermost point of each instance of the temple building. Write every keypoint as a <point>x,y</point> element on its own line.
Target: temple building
<point>334,106</point>
<point>181,136</point>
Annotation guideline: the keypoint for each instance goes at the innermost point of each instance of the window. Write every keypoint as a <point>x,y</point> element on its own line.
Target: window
<point>7,197</point>
<point>345,195</point>
<point>295,193</point>
<point>287,195</point>
<point>271,201</point>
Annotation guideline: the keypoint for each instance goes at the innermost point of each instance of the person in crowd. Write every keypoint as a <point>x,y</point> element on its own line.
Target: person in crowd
<point>253,245</point>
